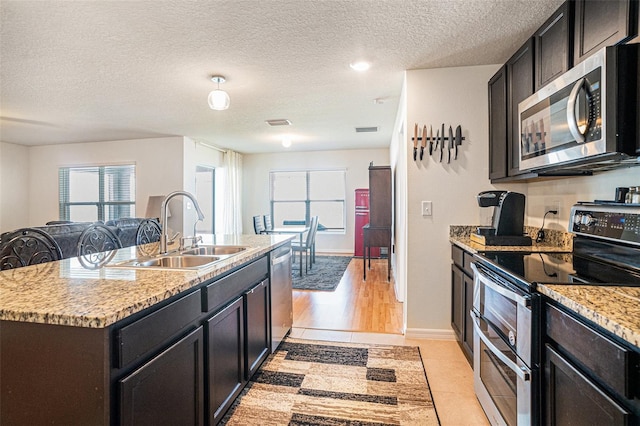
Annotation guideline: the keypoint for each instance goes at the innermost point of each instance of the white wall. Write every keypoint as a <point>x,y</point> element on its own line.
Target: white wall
<point>159,170</point>
<point>256,168</point>
<point>567,191</point>
<point>453,96</point>
<point>14,186</point>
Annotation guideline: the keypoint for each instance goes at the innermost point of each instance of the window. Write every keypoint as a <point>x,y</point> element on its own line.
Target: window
<point>296,196</point>
<point>101,193</point>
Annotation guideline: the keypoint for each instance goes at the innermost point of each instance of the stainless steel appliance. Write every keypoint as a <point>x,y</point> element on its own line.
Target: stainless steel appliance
<point>281,295</point>
<point>587,118</point>
<point>506,312</point>
<point>507,226</point>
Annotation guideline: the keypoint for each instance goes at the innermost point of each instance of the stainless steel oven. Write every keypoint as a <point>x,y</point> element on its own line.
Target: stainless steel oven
<point>502,362</point>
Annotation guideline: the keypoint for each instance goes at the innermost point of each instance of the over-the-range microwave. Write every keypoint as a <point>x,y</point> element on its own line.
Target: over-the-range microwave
<point>586,119</point>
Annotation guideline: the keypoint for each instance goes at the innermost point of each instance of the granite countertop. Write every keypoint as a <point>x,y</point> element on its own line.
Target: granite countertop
<point>555,241</point>
<point>67,292</point>
<point>616,309</point>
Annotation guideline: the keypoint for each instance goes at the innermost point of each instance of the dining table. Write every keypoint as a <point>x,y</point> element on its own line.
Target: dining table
<point>300,230</point>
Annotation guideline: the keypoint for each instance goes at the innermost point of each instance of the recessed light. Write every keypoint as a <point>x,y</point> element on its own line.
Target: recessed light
<point>360,66</point>
<point>286,142</point>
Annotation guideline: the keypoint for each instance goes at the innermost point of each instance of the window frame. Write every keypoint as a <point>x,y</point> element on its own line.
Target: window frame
<point>64,205</point>
<point>308,201</point>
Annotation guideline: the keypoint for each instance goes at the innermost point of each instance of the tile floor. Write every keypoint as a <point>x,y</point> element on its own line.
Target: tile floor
<point>450,375</point>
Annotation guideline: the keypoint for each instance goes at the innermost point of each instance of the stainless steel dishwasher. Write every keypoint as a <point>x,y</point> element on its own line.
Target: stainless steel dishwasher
<point>281,295</point>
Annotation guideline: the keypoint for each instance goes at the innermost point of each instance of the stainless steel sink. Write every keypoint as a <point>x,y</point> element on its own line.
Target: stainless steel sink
<point>190,259</point>
<point>214,250</point>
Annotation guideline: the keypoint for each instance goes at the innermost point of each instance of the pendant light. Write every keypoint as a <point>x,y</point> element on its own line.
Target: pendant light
<point>218,99</point>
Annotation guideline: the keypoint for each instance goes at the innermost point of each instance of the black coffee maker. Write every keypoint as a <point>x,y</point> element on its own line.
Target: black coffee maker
<point>507,226</point>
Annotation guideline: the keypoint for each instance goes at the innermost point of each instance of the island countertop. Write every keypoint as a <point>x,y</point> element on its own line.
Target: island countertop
<point>67,293</point>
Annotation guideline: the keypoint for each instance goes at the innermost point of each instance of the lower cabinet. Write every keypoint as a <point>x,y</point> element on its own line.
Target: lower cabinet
<point>225,358</point>
<point>462,299</point>
<point>169,388</point>
<point>258,336</point>
<point>589,377</point>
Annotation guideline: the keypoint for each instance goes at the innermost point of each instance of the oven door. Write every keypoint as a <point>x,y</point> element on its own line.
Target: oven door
<point>506,308</point>
<point>502,381</point>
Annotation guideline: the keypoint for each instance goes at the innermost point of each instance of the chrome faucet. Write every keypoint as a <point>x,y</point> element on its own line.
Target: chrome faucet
<point>164,236</point>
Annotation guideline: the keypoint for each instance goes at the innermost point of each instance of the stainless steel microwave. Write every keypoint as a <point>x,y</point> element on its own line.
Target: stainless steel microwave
<point>586,118</point>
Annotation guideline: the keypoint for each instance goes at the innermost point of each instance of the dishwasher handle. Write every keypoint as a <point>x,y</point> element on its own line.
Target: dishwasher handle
<point>283,256</point>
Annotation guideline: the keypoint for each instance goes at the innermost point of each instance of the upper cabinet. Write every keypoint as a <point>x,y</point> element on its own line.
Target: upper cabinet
<point>519,87</point>
<point>552,41</point>
<point>576,30</point>
<point>498,124</point>
<point>603,23</point>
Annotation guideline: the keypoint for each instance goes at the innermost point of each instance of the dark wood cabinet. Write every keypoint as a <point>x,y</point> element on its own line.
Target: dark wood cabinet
<point>498,125</point>
<point>589,378</point>
<point>378,232</point>
<point>462,299</point>
<point>520,72</point>
<point>169,388</point>
<point>553,47</point>
<point>600,23</point>
<point>257,327</point>
<point>225,358</point>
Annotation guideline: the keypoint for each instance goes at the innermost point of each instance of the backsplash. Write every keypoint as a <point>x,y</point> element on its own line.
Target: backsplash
<point>553,237</point>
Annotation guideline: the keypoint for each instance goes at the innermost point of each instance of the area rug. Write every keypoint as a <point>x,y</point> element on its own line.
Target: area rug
<point>329,383</point>
<point>325,275</point>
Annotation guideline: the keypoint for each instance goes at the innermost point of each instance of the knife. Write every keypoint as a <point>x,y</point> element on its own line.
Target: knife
<point>415,141</point>
<point>458,140</point>
<point>430,140</point>
<point>450,145</point>
<point>424,141</point>
<point>442,143</point>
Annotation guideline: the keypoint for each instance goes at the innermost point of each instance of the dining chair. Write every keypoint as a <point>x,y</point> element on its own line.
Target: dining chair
<point>258,225</point>
<point>148,232</point>
<point>96,244</point>
<point>27,246</point>
<point>307,245</point>
<point>268,223</point>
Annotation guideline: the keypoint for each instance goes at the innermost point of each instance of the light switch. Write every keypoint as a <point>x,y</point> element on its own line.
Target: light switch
<point>426,208</point>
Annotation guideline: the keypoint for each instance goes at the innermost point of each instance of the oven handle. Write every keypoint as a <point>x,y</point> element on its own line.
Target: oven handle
<point>523,372</point>
<point>480,277</point>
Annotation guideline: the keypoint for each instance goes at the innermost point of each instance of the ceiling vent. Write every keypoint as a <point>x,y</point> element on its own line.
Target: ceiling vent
<point>278,122</point>
<point>366,129</point>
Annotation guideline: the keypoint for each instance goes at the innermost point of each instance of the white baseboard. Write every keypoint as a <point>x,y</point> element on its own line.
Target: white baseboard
<point>426,333</point>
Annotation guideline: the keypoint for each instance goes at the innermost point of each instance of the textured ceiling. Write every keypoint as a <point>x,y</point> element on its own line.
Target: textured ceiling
<point>79,71</point>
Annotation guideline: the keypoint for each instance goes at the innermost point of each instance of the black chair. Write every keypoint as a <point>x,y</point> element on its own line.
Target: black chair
<point>258,225</point>
<point>308,244</point>
<point>268,224</point>
<point>96,244</point>
<point>148,232</point>
<point>27,246</point>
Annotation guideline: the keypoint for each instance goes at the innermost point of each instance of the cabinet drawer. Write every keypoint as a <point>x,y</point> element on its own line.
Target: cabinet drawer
<point>602,357</point>
<point>142,336</point>
<point>457,255</point>
<point>222,291</point>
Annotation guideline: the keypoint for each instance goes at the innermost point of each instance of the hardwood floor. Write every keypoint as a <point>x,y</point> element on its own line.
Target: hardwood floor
<point>355,305</point>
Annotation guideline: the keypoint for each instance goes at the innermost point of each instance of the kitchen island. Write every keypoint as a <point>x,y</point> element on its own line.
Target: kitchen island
<point>84,345</point>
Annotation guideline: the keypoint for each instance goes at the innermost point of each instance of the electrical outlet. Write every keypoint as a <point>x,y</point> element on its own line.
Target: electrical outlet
<point>426,208</point>
<point>552,205</point>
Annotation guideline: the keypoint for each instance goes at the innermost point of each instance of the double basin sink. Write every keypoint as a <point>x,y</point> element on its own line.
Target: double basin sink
<point>189,259</point>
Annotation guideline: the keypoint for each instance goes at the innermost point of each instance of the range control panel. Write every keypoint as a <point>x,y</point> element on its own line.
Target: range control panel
<point>613,221</point>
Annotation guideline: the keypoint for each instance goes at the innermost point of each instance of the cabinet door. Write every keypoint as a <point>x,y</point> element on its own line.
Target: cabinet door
<point>258,329</point>
<point>457,301</point>
<point>600,23</point>
<point>168,389</point>
<point>498,125</point>
<point>572,399</point>
<point>225,356</point>
<point>467,335</point>
<point>520,87</point>
<point>553,48</point>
